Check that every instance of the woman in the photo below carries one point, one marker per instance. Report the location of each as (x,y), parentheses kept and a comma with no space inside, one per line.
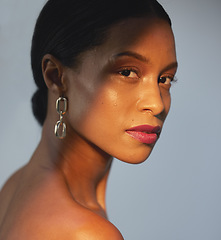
(108,66)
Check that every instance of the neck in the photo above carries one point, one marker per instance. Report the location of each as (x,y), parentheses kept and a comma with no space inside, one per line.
(84,167)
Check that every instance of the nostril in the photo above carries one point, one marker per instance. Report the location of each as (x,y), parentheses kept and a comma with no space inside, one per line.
(153,98)
(152,105)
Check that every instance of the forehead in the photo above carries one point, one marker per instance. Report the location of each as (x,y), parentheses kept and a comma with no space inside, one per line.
(139,34)
(151,38)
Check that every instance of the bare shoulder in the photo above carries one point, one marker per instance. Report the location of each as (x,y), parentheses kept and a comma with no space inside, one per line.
(66,219)
(48,212)
(42,208)
(97,229)
(7,192)
(70,223)
(10,184)
(78,223)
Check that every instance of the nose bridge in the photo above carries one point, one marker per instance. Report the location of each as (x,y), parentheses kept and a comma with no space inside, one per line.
(150,98)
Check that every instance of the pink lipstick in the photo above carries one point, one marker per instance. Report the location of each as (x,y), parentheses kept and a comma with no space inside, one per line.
(145,133)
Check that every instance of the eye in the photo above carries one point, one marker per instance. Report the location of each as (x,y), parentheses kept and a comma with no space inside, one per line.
(166,79)
(131,73)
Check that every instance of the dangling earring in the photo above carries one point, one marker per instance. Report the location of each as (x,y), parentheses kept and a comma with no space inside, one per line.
(60,126)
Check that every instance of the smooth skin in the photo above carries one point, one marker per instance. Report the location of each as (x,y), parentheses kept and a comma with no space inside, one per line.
(125,82)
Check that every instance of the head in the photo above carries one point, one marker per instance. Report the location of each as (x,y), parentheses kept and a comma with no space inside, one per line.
(67,28)
(85,41)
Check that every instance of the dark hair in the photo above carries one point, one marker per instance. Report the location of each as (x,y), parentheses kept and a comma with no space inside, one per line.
(66,28)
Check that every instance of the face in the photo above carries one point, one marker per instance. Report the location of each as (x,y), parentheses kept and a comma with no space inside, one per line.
(120,95)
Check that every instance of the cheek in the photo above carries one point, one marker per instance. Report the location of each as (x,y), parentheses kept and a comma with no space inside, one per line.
(166,97)
(105,116)
(103,111)
(89,112)
(79,102)
(83,96)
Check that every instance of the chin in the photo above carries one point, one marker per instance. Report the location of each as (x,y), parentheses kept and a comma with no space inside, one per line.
(136,157)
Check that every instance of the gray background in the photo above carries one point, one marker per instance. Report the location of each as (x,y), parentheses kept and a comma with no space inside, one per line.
(175,194)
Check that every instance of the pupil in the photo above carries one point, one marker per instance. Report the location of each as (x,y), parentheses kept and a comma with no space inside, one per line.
(163,79)
(126,73)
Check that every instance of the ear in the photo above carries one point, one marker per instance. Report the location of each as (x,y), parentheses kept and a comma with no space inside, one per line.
(52,70)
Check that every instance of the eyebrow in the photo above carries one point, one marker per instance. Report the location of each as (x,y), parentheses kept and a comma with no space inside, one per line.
(144,59)
(132,54)
(170,66)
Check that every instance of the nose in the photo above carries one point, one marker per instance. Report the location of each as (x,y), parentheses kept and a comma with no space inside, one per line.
(150,99)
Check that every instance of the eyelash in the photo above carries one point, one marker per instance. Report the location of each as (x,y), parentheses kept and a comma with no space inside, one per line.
(129,70)
(172,78)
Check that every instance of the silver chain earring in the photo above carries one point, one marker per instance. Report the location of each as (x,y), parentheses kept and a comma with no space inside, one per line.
(60,126)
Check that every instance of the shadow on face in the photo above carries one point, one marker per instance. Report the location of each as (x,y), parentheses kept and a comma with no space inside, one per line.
(123,83)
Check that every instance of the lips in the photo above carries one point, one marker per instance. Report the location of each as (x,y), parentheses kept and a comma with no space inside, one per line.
(145,133)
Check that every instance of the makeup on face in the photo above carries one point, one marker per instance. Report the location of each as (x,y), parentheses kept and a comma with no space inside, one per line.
(126,85)
(145,133)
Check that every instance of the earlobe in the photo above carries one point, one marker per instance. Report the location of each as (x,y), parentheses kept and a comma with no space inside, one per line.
(52,70)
